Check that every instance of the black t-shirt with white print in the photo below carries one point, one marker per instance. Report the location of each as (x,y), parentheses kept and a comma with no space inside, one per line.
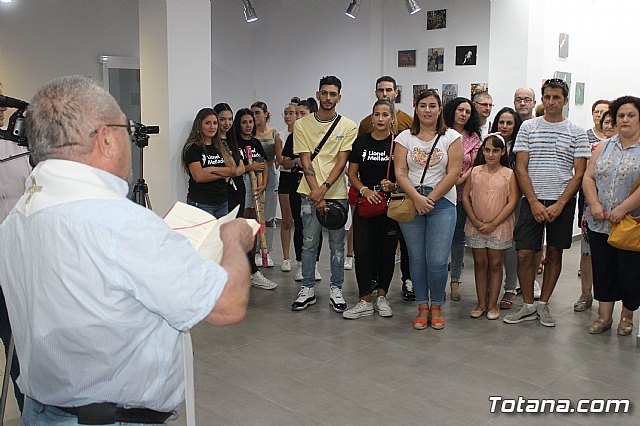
(372,157)
(214,192)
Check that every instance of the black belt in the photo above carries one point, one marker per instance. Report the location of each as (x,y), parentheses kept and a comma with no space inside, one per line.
(107,413)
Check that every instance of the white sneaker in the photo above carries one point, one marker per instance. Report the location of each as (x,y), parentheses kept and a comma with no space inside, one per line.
(286,265)
(336,301)
(306,296)
(317,275)
(362,309)
(382,306)
(258,260)
(348,263)
(536,289)
(298,276)
(260,281)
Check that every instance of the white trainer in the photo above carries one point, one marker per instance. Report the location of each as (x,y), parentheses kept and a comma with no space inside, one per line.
(382,306)
(336,301)
(362,309)
(306,296)
(298,276)
(260,281)
(286,265)
(258,260)
(348,263)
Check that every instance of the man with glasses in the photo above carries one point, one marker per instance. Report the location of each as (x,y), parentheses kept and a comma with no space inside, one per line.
(386,88)
(524,102)
(99,288)
(484,104)
(551,158)
(323,180)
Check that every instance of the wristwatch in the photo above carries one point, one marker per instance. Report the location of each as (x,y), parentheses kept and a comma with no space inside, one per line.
(327,185)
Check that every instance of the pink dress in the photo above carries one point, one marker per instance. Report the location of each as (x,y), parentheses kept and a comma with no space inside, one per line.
(489,196)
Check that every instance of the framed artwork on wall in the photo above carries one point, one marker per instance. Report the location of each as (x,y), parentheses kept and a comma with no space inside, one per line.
(398,98)
(579,93)
(435,59)
(449,93)
(563,45)
(406,58)
(466,55)
(478,88)
(436,19)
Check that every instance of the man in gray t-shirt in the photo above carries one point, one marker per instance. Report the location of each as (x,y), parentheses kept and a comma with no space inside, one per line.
(551,158)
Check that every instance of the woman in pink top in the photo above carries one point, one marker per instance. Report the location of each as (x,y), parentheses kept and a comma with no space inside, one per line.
(489,198)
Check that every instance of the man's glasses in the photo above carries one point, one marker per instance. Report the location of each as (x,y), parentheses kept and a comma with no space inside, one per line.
(484,104)
(525,100)
(130,126)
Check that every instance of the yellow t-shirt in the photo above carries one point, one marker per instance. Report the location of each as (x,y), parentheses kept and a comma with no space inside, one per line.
(307,134)
(403,122)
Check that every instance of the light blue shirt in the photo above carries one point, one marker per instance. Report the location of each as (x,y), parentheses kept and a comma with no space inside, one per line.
(98,292)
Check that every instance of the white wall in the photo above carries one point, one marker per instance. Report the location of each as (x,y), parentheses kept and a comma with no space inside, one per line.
(41,40)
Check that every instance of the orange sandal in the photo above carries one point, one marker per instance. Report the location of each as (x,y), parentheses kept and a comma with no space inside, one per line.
(421,323)
(437,323)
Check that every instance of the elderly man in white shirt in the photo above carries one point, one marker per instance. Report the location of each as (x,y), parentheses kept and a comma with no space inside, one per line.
(99,288)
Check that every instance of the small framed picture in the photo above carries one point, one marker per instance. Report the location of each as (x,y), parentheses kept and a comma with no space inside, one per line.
(449,93)
(406,58)
(466,55)
(563,45)
(436,19)
(417,88)
(477,88)
(579,93)
(435,59)
(398,98)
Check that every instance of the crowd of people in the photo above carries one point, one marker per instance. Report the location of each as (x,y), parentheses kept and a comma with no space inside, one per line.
(507,189)
(126,286)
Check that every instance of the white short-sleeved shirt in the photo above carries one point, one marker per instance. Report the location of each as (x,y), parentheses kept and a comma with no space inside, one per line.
(552,149)
(417,153)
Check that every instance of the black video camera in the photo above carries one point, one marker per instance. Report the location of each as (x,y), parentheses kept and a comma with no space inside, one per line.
(15,127)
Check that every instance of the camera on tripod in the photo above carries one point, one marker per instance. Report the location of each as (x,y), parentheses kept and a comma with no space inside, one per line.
(142,132)
(15,128)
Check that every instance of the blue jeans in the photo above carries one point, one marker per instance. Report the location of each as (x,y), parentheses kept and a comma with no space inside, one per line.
(457,245)
(428,239)
(217,210)
(311,231)
(37,414)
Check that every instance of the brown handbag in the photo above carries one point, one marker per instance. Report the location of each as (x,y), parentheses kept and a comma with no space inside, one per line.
(401,207)
(625,235)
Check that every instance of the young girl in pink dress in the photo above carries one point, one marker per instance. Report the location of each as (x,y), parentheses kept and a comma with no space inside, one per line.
(489,198)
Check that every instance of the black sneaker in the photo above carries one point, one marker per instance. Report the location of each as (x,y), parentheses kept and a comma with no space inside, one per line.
(336,300)
(306,297)
(407,291)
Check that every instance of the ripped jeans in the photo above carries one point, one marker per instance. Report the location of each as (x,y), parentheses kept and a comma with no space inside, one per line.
(311,232)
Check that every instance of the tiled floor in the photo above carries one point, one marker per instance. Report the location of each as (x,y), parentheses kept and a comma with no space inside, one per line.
(314,368)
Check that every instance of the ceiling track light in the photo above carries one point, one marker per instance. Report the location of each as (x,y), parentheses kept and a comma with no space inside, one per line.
(249,12)
(353,9)
(412,6)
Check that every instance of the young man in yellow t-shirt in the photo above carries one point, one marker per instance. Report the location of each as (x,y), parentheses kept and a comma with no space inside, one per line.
(323,180)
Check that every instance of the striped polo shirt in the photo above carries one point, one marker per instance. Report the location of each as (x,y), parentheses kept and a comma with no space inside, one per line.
(552,149)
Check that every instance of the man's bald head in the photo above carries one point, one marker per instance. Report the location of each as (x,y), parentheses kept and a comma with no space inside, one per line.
(524,101)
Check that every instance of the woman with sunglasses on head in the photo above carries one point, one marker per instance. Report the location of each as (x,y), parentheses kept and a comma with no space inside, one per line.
(286,184)
(507,122)
(235,186)
(208,164)
(461,116)
(428,160)
(269,138)
(292,161)
(374,238)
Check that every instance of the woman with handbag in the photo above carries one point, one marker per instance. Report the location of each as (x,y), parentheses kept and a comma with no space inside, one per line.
(427,161)
(375,236)
(613,202)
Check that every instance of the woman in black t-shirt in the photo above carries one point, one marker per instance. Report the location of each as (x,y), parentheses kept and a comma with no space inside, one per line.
(235,186)
(374,238)
(208,165)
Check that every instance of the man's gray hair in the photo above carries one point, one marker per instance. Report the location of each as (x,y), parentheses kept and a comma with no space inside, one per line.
(480,96)
(64,113)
